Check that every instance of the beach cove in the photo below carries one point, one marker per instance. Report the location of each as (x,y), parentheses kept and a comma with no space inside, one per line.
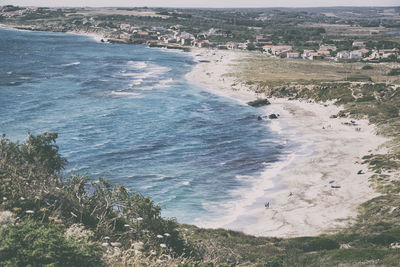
(317,189)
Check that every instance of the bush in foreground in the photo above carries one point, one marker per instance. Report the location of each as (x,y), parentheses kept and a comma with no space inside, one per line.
(36,244)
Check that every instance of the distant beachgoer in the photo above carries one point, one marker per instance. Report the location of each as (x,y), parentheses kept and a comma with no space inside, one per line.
(266,205)
(290,194)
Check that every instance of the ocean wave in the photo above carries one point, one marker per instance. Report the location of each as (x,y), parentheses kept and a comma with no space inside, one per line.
(164,83)
(253,193)
(137,64)
(185,183)
(72,64)
(130,94)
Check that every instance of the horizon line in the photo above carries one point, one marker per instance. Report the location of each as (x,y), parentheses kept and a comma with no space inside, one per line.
(187,7)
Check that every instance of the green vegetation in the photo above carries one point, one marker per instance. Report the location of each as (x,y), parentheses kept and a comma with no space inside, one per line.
(31,187)
(367,67)
(35,244)
(56,222)
(394,72)
(259,103)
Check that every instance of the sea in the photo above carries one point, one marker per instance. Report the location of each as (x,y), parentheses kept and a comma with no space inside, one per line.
(128,113)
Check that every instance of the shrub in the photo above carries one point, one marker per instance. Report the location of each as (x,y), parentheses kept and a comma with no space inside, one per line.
(366,98)
(36,244)
(394,72)
(367,67)
(387,237)
(308,244)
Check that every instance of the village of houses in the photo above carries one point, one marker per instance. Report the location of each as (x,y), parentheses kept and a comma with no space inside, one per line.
(182,38)
(176,37)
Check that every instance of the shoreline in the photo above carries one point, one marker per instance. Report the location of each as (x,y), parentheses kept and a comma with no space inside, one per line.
(302,200)
(299,188)
(96,37)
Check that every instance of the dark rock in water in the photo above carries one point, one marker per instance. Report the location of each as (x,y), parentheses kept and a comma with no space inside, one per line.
(259,103)
(259,118)
(102,40)
(272,116)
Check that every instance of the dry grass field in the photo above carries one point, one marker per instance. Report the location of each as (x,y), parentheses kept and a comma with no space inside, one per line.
(270,71)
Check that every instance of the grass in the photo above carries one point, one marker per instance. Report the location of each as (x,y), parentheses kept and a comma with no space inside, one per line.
(263,70)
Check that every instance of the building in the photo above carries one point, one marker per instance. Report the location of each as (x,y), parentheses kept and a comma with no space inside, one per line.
(306,53)
(326,47)
(204,44)
(315,56)
(185,38)
(222,47)
(293,54)
(125,27)
(343,55)
(324,53)
(267,48)
(158,29)
(356,54)
(277,50)
(232,45)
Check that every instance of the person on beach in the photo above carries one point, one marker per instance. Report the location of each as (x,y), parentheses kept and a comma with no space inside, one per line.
(266,205)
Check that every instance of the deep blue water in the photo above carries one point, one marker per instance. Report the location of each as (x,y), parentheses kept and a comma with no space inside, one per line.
(128,114)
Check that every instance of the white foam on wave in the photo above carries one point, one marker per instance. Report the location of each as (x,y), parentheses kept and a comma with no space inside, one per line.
(130,94)
(151,72)
(164,83)
(72,64)
(137,64)
(245,198)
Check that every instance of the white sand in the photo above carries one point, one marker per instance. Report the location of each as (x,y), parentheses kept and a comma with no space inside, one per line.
(302,202)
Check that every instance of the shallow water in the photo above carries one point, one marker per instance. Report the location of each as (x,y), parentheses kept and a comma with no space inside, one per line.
(128,114)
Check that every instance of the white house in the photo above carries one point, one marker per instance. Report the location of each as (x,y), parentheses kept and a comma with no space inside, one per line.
(343,55)
(356,54)
(293,54)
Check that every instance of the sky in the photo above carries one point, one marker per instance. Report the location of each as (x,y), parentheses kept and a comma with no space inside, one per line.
(202,3)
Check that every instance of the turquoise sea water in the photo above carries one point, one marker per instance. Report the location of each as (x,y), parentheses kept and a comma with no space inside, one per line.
(128,114)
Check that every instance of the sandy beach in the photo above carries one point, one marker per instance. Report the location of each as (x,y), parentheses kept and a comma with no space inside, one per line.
(314,190)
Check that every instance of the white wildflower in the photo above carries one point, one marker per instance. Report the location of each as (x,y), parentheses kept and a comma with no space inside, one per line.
(159,236)
(30,212)
(163,245)
(167,235)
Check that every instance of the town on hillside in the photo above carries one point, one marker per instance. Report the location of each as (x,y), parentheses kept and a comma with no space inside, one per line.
(370,35)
